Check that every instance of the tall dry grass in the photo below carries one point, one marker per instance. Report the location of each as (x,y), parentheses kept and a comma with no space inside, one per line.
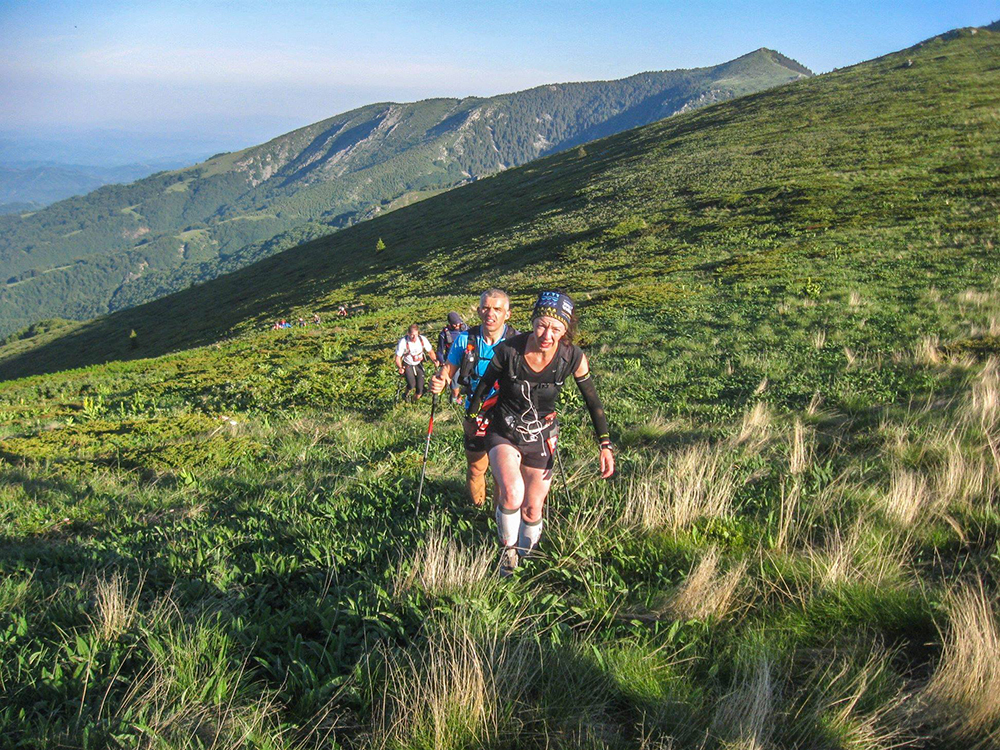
(194,693)
(975,297)
(909,498)
(860,555)
(755,428)
(800,450)
(815,403)
(457,691)
(850,356)
(442,566)
(928,351)
(960,481)
(965,477)
(982,409)
(962,698)
(583,533)
(708,591)
(698,482)
(959,443)
(744,719)
(854,698)
(790,520)
(116,605)
(171,724)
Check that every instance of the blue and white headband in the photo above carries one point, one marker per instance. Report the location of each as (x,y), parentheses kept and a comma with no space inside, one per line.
(554,305)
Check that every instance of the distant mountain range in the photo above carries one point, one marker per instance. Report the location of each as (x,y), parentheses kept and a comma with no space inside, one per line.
(123,245)
(33,185)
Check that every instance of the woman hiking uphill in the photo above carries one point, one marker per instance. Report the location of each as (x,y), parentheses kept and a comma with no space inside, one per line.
(530,370)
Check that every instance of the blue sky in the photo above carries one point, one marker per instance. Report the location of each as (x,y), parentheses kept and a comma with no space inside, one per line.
(243,71)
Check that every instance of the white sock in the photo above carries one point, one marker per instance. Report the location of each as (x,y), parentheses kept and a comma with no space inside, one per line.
(508,523)
(528,537)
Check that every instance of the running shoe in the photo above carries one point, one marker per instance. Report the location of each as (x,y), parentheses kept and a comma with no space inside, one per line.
(508,561)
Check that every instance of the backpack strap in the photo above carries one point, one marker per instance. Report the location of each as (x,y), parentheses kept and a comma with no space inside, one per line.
(564,368)
(470,359)
(469,368)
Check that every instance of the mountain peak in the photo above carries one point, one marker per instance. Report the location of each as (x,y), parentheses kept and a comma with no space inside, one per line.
(784,61)
(764,59)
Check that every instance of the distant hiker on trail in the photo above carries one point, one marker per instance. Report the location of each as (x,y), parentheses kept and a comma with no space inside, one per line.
(469,356)
(316,320)
(445,341)
(302,322)
(409,360)
(529,370)
(342,311)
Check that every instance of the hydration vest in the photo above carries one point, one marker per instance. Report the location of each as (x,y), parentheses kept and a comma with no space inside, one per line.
(531,425)
(564,368)
(469,368)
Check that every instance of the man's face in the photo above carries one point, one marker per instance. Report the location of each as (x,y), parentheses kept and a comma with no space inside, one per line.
(493,313)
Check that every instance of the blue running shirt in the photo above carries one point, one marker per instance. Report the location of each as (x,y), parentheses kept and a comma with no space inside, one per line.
(457,352)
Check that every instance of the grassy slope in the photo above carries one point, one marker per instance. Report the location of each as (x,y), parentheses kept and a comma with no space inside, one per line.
(791,302)
(128,244)
(803,177)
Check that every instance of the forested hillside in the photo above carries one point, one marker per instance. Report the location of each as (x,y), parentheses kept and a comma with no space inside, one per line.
(791,304)
(126,244)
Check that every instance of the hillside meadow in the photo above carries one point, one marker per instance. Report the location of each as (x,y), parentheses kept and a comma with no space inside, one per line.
(123,245)
(792,305)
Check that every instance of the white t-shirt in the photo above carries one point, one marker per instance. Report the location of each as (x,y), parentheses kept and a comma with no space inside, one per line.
(412,352)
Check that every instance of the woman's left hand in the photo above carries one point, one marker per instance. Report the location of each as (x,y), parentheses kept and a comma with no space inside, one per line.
(607,463)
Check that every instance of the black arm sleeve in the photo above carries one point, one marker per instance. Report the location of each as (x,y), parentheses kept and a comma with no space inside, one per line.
(595,407)
(485,383)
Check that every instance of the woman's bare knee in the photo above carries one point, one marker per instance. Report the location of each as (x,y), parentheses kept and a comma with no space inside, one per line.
(536,489)
(506,466)
(531,513)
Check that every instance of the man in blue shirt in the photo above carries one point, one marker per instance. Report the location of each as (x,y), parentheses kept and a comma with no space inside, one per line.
(469,356)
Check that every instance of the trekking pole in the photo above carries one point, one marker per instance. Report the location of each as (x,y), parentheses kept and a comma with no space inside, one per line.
(562,473)
(427,447)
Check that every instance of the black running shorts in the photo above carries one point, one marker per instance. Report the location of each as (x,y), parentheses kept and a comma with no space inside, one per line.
(535,455)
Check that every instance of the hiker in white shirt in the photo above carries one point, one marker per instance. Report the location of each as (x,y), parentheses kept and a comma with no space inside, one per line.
(410,353)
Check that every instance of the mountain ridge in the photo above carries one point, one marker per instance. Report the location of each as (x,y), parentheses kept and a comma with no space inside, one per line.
(123,245)
(572,209)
